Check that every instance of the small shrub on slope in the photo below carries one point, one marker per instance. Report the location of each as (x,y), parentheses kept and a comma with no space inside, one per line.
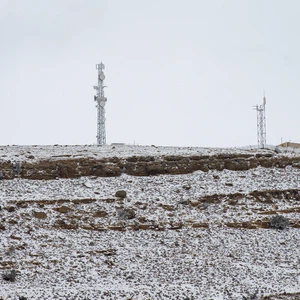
(279,222)
(10,275)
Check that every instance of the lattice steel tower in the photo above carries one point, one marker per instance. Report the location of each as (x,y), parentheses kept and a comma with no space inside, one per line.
(261,124)
(101,101)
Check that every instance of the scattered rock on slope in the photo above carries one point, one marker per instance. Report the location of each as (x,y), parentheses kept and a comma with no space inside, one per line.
(40,215)
(126,213)
(10,208)
(87,184)
(100,214)
(64,209)
(121,194)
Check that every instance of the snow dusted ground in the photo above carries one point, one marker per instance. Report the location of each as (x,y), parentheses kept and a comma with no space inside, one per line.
(23,153)
(107,256)
(161,198)
(168,187)
(204,264)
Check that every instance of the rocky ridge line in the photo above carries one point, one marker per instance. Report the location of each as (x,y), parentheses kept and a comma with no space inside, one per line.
(141,165)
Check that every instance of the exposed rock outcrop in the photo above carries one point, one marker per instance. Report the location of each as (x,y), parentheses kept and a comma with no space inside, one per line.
(143,166)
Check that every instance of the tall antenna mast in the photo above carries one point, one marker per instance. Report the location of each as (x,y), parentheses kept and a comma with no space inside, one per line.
(261,124)
(100,104)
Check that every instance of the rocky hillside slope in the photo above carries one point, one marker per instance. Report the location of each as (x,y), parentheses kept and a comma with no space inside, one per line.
(149,223)
(25,164)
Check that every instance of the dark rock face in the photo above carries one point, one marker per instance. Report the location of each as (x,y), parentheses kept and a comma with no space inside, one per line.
(10,208)
(40,215)
(285,296)
(64,209)
(142,166)
(121,194)
(100,214)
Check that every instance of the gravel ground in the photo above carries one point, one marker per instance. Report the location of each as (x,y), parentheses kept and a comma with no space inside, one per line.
(205,264)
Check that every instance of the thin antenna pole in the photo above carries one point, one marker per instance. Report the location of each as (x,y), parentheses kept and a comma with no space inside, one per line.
(100,104)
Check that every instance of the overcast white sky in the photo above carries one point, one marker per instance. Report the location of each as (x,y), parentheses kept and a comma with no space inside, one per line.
(181,73)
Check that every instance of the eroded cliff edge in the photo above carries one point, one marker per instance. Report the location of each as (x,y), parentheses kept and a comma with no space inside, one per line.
(141,165)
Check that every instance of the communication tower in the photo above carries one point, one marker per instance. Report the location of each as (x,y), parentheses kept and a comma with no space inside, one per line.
(100,104)
(261,124)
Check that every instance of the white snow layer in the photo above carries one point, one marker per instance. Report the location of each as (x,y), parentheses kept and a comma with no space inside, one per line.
(188,263)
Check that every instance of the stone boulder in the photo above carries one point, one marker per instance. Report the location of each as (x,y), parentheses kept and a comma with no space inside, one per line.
(40,215)
(100,214)
(121,194)
(126,213)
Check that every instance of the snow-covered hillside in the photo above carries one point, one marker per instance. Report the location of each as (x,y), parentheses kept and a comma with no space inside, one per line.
(203,235)
(37,152)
